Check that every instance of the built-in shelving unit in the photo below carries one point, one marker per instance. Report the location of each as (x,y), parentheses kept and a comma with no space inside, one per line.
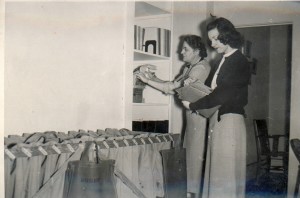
(153,21)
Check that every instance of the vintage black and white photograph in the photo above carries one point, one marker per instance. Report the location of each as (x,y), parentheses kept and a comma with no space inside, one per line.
(150,99)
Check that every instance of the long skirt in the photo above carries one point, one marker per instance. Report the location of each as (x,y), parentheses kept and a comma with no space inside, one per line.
(225,169)
(194,142)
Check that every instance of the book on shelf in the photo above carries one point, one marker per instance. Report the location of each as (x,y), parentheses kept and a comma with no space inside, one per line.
(139,33)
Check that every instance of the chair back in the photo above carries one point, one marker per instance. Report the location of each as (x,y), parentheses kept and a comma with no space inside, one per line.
(261,136)
(295,144)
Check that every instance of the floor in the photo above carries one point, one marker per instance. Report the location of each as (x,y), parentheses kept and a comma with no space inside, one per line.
(273,185)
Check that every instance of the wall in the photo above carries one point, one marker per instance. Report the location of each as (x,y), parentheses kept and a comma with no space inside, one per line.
(272,13)
(2,9)
(186,19)
(64,66)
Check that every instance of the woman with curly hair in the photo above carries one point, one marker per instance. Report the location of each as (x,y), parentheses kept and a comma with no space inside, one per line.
(225,170)
(196,70)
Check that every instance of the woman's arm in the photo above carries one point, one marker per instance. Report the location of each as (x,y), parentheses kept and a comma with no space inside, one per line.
(234,77)
(165,86)
(218,96)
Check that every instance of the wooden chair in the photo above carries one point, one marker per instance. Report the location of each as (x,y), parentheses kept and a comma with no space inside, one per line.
(295,144)
(265,153)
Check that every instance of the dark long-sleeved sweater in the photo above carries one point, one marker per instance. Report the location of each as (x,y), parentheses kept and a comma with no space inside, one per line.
(232,87)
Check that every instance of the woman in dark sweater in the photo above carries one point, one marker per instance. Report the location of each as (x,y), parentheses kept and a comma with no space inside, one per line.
(225,171)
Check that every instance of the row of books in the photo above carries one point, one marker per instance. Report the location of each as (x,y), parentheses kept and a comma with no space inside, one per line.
(152,40)
(139,34)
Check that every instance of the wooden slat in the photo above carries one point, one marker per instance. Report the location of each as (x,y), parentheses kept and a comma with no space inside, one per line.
(45,149)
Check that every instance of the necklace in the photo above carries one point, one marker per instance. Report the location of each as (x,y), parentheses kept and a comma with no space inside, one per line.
(192,65)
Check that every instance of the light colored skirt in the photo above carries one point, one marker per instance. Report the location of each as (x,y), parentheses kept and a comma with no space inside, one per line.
(225,169)
(194,142)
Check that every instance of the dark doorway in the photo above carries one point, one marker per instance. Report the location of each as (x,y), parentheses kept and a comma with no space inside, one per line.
(269,50)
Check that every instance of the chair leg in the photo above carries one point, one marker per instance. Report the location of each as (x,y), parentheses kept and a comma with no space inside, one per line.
(257,170)
(285,165)
(297,183)
(268,165)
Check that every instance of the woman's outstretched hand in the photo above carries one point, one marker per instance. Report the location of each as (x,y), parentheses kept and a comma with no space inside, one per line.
(186,104)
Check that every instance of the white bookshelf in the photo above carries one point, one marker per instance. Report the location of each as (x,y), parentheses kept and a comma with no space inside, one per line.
(156,106)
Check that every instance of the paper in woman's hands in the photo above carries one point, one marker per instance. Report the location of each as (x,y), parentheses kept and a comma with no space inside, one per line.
(146,72)
(146,69)
(194,92)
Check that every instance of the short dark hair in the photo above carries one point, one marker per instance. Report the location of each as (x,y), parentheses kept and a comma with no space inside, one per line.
(227,32)
(195,42)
